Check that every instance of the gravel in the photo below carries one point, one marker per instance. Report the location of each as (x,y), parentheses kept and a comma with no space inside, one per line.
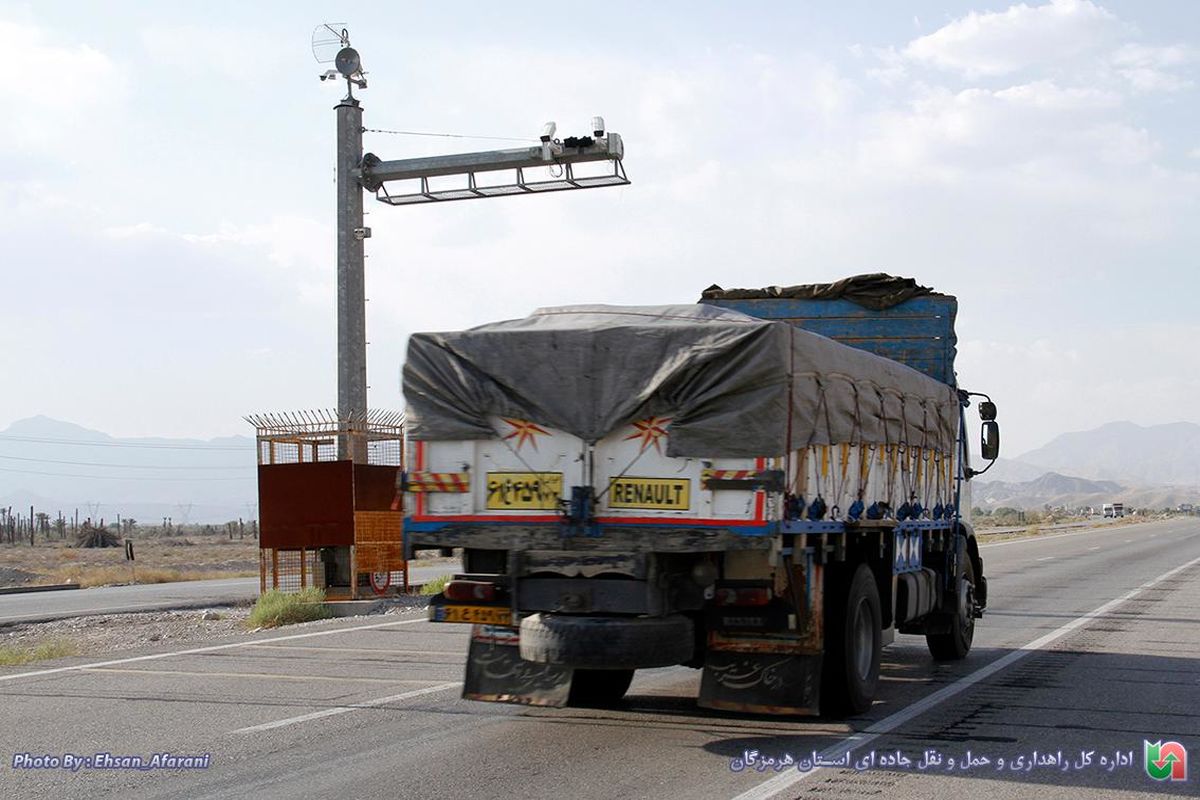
(115,633)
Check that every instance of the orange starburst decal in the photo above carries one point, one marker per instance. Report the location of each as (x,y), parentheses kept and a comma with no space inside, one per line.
(524,431)
(651,431)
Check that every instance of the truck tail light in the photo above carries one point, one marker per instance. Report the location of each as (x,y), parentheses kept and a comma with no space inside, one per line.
(467,591)
(758,596)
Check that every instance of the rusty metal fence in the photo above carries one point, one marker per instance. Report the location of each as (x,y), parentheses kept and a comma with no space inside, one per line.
(330,519)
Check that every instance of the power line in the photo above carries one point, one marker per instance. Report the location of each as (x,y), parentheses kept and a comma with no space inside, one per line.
(144,445)
(125,466)
(452,135)
(116,477)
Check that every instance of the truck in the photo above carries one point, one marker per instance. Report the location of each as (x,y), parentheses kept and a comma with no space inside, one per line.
(1113,510)
(767,486)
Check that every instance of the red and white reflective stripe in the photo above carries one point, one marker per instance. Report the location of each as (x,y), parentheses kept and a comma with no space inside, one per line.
(729,474)
(454,482)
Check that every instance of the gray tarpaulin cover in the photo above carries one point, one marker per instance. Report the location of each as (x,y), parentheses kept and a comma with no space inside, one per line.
(733,385)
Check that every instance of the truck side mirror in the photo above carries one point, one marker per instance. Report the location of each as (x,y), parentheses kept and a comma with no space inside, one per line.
(989,444)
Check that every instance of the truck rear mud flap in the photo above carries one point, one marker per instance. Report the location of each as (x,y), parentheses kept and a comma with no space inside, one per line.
(496,672)
(752,680)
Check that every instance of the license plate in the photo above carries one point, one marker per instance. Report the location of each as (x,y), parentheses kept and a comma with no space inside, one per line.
(657,494)
(524,490)
(484,615)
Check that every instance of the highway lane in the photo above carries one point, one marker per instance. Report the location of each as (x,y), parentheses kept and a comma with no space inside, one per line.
(41,606)
(364,706)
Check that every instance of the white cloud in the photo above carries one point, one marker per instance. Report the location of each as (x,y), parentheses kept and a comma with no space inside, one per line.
(53,92)
(1046,94)
(1141,55)
(133,231)
(1004,42)
(199,50)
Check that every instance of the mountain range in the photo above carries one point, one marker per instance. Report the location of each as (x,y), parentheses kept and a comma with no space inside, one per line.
(1156,466)
(58,466)
(1139,455)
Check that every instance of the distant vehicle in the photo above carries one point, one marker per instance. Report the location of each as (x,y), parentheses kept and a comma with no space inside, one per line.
(721,485)
(1113,510)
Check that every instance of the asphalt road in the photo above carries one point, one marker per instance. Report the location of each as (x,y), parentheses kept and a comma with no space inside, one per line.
(1091,646)
(40,606)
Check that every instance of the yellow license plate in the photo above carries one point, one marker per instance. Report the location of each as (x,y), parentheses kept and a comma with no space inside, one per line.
(507,491)
(657,494)
(483,615)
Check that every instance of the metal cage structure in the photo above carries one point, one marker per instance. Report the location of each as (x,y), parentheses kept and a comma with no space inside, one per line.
(325,522)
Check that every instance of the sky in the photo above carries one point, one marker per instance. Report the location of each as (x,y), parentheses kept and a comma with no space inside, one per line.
(167,196)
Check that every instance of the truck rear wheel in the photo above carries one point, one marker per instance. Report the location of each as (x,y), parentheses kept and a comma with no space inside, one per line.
(853,643)
(599,688)
(954,643)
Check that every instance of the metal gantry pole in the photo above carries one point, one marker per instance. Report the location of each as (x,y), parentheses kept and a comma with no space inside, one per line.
(351,282)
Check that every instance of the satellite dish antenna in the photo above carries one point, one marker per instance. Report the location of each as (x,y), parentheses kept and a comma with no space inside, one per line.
(328,39)
(331,45)
(348,62)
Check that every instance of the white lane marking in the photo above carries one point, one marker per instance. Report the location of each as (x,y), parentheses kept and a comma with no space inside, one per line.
(338,650)
(329,712)
(210,649)
(1127,541)
(888,724)
(1045,558)
(1097,547)
(272,676)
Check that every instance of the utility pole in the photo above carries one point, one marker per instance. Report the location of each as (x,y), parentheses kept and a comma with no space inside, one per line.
(351,279)
(357,172)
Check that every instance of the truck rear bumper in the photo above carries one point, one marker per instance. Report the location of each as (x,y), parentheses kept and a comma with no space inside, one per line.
(627,538)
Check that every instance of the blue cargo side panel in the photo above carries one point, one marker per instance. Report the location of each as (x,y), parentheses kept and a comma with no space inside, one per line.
(918,332)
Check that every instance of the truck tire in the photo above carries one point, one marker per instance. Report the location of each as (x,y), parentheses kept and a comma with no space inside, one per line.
(606,643)
(955,643)
(599,688)
(853,644)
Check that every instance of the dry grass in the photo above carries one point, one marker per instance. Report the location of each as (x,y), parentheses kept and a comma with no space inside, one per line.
(436,585)
(159,559)
(14,654)
(276,608)
(107,576)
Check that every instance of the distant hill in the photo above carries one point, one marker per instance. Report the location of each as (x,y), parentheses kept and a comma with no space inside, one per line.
(1010,470)
(1070,492)
(1136,455)
(59,466)
(1049,488)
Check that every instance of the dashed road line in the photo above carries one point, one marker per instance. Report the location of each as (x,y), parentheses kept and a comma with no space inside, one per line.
(330,712)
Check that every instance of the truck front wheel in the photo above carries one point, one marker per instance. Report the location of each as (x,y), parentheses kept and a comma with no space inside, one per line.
(954,643)
(853,642)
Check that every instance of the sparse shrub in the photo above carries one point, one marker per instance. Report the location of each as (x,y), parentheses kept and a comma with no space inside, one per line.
(436,585)
(275,608)
(14,654)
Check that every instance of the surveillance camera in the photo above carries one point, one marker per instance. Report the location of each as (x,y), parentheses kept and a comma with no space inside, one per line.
(329,75)
(597,126)
(548,131)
